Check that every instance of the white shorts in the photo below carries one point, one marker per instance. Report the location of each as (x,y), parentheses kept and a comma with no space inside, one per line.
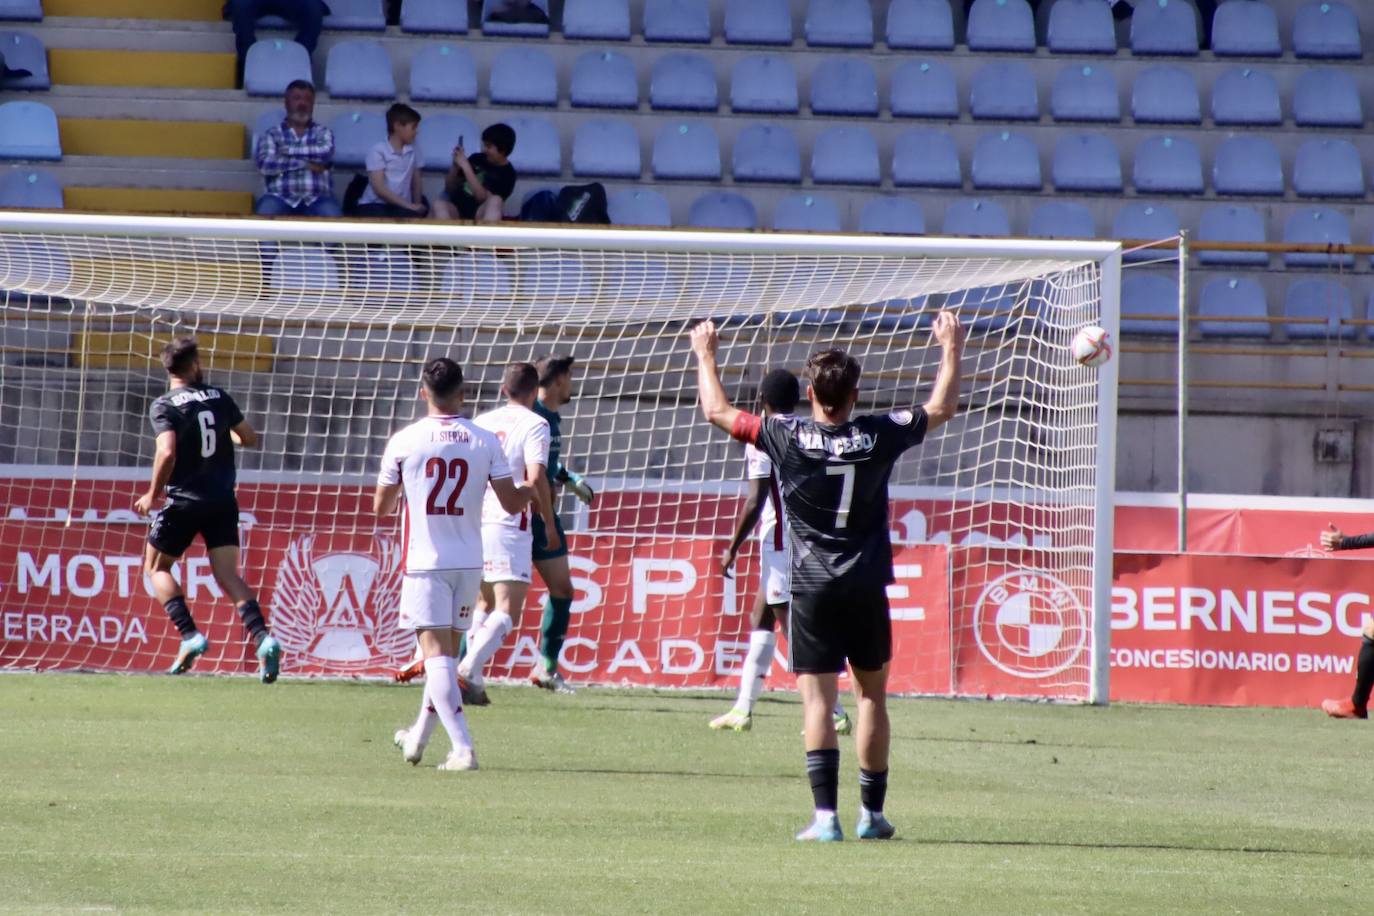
(775,576)
(439,599)
(506,554)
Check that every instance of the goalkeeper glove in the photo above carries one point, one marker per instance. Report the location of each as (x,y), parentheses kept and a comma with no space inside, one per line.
(580,488)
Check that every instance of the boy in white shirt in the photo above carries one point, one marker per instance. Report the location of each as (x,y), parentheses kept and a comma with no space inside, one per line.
(393,170)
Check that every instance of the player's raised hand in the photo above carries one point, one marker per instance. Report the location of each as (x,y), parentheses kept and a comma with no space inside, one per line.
(144,504)
(704,339)
(948,330)
(579,487)
(1332,537)
(727,561)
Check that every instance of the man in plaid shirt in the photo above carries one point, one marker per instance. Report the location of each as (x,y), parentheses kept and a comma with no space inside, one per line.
(295,158)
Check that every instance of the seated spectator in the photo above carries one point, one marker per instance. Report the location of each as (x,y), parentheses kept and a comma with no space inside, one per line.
(12,73)
(295,158)
(478,186)
(306,15)
(393,170)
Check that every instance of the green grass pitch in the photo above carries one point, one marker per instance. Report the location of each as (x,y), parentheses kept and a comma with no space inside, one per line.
(155,794)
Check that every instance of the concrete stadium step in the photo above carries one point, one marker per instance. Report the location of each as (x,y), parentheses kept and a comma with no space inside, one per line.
(204,10)
(153,200)
(155,139)
(152,69)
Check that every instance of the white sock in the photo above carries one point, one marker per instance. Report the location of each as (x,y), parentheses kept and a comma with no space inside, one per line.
(482,645)
(427,719)
(479,617)
(441,673)
(756,663)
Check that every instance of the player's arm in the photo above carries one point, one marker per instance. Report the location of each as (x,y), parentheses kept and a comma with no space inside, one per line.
(164,460)
(513,498)
(543,501)
(944,397)
(748,517)
(386,498)
(244,434)
(1333,539)
(715,406)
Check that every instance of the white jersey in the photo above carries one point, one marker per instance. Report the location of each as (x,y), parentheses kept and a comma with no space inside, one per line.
(524,438)
(444,464)
(771,520)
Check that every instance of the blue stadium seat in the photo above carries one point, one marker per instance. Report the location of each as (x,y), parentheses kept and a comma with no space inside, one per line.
(892,216)
(1326,97)
(21,10)
(924,89)
(1328,167)
(523,76)
(379,269)
(1247,165)
(1231,223)
(1166,95)
(357,132)
(1059,219)
(1316,226)
(443,73)
(1004,91)
(22,51)
(28,130)
(1081,27)
(926,158)
(1086,162)
(543,279)
(537,151)
(722,210)
(845,155)
(766,152)
(303,267)
(476,277)
(677,20)
(685,82)
(356,15)
(1326,300)
(844,86)
(517,29)
(1246,96)
(434,16)
(359,69)
(1245,30)
(1145,223)
(758,22)
(806,213)
(272,63)
(30,189)
(1326,30)
(839,24)
(604,79)
(1164,27)
(639,208)
(1082,92)
(920,25)
(1233,298)
(1001,25)
(597,20)
(687,150)
(972,216)
(1004,160)
(269,119)
(603,148)
(1148,294)
(764,83)
(1168,165)
(440,133)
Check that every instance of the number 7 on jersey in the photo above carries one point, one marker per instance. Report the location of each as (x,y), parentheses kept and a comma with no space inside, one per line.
(845,471)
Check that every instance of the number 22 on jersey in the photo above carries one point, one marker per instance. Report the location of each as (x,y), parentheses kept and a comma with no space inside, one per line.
(441,472)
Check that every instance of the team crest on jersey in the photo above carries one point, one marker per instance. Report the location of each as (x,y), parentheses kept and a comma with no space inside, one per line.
(901,417)
(340,609)
(1030,624)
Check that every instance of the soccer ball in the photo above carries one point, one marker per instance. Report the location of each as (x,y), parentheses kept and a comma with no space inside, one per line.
(1092,346)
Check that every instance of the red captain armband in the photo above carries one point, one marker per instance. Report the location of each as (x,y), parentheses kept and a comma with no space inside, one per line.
(747,427)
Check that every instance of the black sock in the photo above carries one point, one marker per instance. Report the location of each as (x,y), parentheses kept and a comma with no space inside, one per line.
(252,620)
(872,789)
(181,615)
(823,768)
(1364,673)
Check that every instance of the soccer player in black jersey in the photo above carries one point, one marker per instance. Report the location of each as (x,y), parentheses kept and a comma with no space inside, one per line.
(197,426)
(833,469)
(1357,707)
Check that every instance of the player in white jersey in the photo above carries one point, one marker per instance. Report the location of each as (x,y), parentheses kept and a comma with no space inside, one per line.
(441,465)
(763,506)
(507,541)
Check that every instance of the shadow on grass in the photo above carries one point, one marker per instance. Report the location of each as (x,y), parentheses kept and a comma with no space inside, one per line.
(790,776)
(1146,847)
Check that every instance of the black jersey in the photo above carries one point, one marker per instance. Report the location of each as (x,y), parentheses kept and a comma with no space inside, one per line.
(201,416)
(834,485)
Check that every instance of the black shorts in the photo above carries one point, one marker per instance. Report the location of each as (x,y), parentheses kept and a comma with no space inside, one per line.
(843,622)
(541,539)
(176,525)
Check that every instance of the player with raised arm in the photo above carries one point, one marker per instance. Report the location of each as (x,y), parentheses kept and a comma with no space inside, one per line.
(441,465)
(834,470)
(197,426)
(1357,707)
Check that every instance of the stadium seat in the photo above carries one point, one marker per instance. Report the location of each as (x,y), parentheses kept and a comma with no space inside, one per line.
(1326,97)
(1246,96)
(924,89)
(764,83)
(1004,91)
(270,119)
(604,79)
(1316,226)
(766,152)
(440,133)
(1001,25)
(523,76)
(1166,94)
(806,213)
(687,150)
(28,130)
(23,51)
(356,15)
(476,277)
(677,20)
(1164,27)
(845,155)
(844,86)
(758,22)
(272,63)
(355,133)
(1245,30)
(537,150)
(1004,160)
(443,73)
(1328,167)
(722,210)
(1168,165)
(379,270)
(21,10)
(1081,27)
(926,158)
(1145,223)
(684,82)
(976,217)
(1247,165)
(1059,219)
(1326,30)
(604,148)
(434,16)
(1082,92)
(1233,298)
(1325,300)
(1087,162)
(920,25)
(303,267)
(1148,294)
(559,277)
(892,216)
(516,29)
(597,20)
(30,189)
(639,208)
(359,69)
(839,24)
(1230,223)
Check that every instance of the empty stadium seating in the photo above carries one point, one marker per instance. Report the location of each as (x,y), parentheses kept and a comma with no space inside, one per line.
(924,89)
(23,51)
(1057,219)
(604,79)
(523,76)
(359,70)
(806,213)
(764,83)
(685,82)
(434,16)
(1083,92)
(758,22)
(1001,25)
(1225,304)
(597,20)
(28,130)
(1086,162)
(1316,226)
(845,155)
(30,189)
(605,148)
(722,210)
(443,73)
(272,63)
(892,216)
(926,158)
(920,25)
(1245,30)
(1164,27)
(764,152)
(1081,27)
(639,207)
